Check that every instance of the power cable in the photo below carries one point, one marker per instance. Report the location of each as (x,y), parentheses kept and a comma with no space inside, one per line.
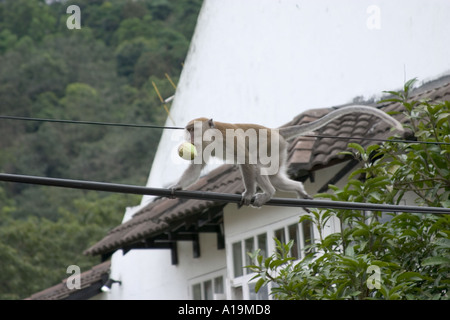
(213,196)
(90,122)
(375,139)
(181,128)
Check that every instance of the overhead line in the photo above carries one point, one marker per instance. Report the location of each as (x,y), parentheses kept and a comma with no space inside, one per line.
(213,196)
(131,125)
(116,124)
(375,139)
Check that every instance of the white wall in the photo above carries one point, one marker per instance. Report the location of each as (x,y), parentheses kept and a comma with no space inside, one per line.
(149,274)
(248,219)
(265,61)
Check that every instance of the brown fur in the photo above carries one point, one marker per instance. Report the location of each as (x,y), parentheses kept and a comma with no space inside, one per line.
(252,172)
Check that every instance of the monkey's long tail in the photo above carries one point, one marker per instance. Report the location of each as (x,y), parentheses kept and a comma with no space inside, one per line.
(299,130)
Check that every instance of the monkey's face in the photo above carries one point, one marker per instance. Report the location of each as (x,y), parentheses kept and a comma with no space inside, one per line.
(195,129)
(189,134)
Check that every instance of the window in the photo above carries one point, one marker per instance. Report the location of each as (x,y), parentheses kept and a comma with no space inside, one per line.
(242,287)
(250,245)
(209,289)
(293,235)
(286,234)
(302,235)
(218,285)
(279,234)
(262,244)
(237,259)
(262,294)
(249,248)
(197,291)
(308,233)
(237,293)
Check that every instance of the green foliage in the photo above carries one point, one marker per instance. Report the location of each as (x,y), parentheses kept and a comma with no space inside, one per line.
(27,18)
(102,72)
(375,255)
(35,252)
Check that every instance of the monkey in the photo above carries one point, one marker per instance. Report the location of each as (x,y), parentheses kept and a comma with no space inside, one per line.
(234,143)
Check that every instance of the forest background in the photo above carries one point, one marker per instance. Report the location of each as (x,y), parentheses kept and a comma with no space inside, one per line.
(101,72)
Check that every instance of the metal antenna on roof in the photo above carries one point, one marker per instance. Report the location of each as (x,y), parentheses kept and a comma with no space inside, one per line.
(164,101)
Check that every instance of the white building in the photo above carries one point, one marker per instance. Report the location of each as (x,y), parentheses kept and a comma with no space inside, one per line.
(203,244)
(267,61)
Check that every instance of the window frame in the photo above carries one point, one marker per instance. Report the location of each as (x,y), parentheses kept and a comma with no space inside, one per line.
(242,283)
(203,279)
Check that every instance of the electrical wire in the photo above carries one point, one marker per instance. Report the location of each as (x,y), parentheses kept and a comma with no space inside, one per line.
(90,122)
(181,128)
(375,139)
(214,196)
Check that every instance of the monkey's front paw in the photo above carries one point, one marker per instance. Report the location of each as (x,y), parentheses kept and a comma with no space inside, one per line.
(176,187)
(307,196)
(260,200)
(246,198)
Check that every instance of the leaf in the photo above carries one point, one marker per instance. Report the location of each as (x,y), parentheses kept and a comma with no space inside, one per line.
(260,258)
(378,181)
(267,262)
(346,153)
(391,99)
(409,84)
(259,284)
(357,147)
(409,232)
(350,251)
(360,232)
(443,243)
(433,261)
(357,172)
(275,263)
(305,217)
(411,276)
(372,148)
(394,93)
(375,195)
(349,261)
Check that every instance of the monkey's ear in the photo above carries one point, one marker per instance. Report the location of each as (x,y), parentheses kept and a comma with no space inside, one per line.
(211,123)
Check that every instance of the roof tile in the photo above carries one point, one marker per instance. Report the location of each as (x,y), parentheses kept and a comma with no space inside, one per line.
(304,153)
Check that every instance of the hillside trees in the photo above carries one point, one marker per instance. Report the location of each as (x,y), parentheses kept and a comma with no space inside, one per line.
(102,72)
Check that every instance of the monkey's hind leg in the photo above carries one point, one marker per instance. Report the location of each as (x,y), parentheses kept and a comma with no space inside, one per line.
(248,177)
(267,188)
(281,182)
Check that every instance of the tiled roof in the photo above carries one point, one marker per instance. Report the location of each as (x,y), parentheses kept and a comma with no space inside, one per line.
(308,153)
(91,282)
(305,154)
(156,217)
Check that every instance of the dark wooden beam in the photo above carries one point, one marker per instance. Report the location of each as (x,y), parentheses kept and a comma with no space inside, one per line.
(338,176)
(196,246)
(220,237)
(174,253)
(210,221)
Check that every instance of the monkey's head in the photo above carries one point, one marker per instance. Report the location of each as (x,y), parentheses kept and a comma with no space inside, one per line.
(197,127)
